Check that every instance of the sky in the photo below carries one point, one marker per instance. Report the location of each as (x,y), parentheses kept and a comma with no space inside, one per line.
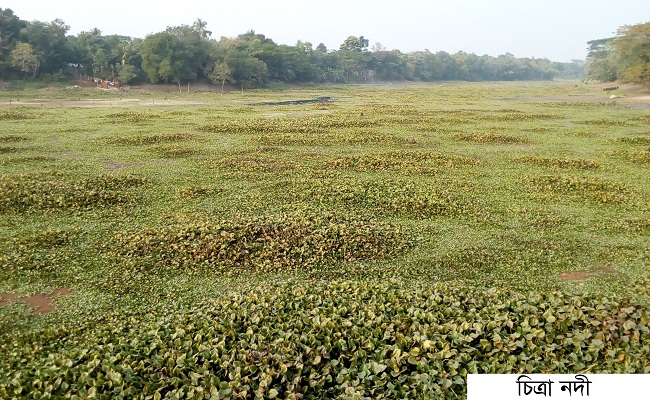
(553,29)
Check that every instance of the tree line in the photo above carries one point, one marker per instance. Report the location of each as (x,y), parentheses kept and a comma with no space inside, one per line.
(187,53)
(624,57)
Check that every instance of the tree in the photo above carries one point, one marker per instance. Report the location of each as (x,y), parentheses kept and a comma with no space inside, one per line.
(100,64)
(126,73)
(353,56)
(132,55)
(246,70)
(356,44)
(603,69)
(25,59)
(378,48)
(220,74)
(599,48)
(426,66)
(10,26)
(390,65)
(192,50)
(277,59)
(602,60)
(235,62)
(82,50)
(462,70)
(632,48)
(571,70)
(101,56)
(302,59)
(253,72)
(448,67)
(168,58)
(50,43)
(199,26)
(158,59)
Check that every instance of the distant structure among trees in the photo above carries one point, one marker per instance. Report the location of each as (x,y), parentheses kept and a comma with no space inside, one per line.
(187,53)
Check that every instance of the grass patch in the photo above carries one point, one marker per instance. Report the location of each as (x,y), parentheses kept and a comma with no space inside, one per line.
(139,140)
(638,156)
(48,238)
(286,124)
(515,115)
(38,253)
(264,244)
(562,163)
(605,191)
(10,149)
(388,197)
(490,138)
(410,162)
(637,140)
(638,224)
(19,113)
(252,164)
(194,192)
(326,138)
(540,218)
(175,151)
(12,139)
(132,117)
(20,193)
(27,160)
(606,122)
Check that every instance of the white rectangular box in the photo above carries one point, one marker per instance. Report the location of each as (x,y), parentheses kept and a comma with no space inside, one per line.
(558,386)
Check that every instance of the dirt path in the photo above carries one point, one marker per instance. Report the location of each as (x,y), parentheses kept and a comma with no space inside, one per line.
(93,103)
(40,303)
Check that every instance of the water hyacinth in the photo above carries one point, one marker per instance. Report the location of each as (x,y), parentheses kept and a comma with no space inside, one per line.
(284,242)
(213,248)
(50,191)
(343,339)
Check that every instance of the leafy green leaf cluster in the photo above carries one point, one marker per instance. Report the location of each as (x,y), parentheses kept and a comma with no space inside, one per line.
(308,124)
(135,140)
(27,192)
(491,138)
(18,113)
(131,117)
(563,163)
(343,339)
(391,196)
(601,190)
(407,162)
(303,242)
(12,139)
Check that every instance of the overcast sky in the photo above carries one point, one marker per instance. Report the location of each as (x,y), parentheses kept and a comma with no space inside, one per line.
(554,29)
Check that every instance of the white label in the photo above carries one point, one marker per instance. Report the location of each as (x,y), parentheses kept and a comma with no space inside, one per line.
(558,386)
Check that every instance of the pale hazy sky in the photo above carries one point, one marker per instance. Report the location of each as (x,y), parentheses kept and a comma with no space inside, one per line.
(554,29)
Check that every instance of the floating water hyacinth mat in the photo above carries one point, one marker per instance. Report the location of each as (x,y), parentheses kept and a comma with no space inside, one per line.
(306,340)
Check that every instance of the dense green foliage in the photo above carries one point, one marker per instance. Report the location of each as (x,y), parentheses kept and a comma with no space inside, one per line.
(27,192)
(380,245)
(267,244)
(38,50)
(625,56)
(302,340)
